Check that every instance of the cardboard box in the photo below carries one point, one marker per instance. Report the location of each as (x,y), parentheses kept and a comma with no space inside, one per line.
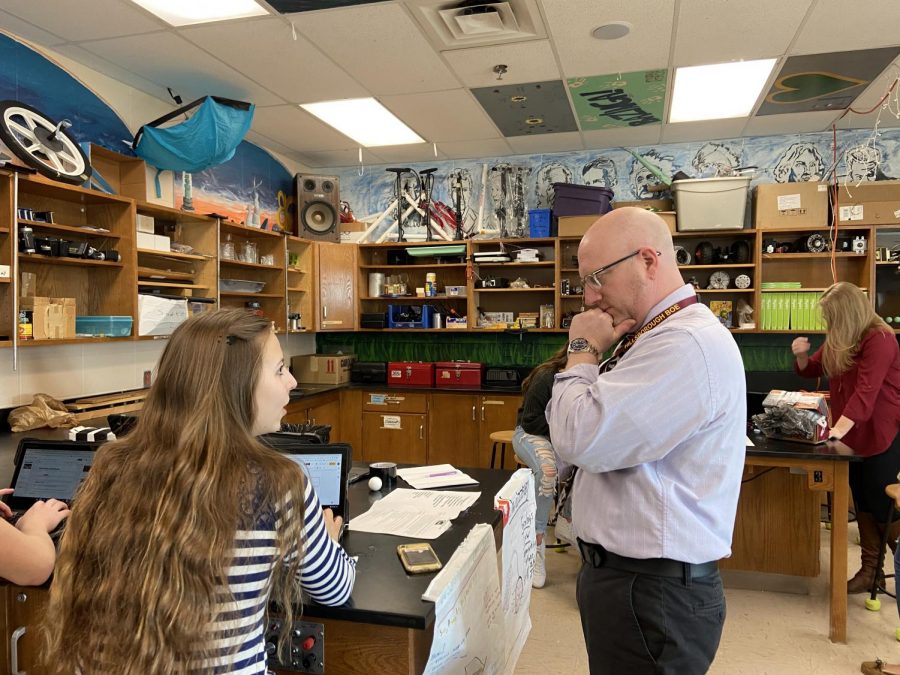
(788,206)
(51,318)
(876,203)
(574,226)
(651,204)
(322,368)
(145,223)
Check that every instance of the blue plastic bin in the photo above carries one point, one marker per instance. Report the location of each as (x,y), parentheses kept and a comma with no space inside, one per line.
(539,223)
(103,326)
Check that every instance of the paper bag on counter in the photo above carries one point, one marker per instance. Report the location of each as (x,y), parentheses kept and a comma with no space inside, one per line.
(43,411)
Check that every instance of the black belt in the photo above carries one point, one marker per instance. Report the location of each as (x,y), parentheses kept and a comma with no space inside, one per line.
(597,556)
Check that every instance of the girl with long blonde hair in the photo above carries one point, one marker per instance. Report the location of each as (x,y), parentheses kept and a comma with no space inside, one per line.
(186,527)
(861,358)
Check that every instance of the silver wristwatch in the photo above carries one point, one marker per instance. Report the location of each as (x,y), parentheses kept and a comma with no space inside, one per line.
(581,345)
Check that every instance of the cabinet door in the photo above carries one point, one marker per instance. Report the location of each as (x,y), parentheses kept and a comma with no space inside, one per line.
(394,438)
(496,413)
(26,607)
(327,412)
(337,287)
(453,430)
(296,412)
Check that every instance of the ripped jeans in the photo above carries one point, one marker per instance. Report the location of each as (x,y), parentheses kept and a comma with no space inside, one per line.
(537,453)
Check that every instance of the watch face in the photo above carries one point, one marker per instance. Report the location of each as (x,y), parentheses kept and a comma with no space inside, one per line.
(580,345)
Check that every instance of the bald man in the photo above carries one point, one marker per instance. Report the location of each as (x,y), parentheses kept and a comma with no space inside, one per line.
(658,435)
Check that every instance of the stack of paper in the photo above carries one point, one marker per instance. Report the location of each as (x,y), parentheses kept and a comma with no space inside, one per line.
(435,476)
(418,514)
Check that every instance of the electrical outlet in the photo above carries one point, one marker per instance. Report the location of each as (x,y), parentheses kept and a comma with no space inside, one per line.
(147,377)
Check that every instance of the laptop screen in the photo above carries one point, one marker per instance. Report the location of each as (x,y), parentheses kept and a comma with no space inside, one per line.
(50,473)
(325,471)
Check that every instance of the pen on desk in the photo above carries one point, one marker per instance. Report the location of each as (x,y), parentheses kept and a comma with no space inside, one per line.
(443,473)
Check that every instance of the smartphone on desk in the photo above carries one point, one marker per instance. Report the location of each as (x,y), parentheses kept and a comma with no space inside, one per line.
(418,558)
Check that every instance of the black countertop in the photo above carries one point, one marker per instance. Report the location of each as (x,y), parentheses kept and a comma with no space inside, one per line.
(774,447)
(303,390)
(384,593)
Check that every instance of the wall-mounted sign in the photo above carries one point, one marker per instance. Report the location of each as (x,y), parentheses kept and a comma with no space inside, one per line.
(619,100)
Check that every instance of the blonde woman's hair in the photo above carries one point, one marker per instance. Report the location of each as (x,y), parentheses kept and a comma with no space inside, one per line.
(849,316)
(145,556)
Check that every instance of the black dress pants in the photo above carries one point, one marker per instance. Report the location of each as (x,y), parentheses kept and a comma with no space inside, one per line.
(641,624)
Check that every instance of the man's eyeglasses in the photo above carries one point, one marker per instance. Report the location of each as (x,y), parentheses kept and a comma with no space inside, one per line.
(593,279)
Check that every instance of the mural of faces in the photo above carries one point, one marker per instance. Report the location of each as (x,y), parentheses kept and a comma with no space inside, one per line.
(861,163)
(642,178)
(550,173)
(600,172)
(800,163)
(715,159)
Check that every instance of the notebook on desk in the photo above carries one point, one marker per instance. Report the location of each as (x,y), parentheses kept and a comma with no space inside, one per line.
(48,470)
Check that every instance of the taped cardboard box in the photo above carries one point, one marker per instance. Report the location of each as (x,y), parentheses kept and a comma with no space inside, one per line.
(574,226)
(51,318)
(788,206)
(322,368)
(874,203)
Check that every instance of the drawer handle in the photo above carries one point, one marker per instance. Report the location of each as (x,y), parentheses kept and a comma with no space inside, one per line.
(14,650)
(473,413)
(421,432)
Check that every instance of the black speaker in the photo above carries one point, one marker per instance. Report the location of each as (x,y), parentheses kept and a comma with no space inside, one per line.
(318,207)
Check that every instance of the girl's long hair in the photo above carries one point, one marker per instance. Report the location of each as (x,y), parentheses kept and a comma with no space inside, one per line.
(848,316)
(145,556)
(555,363)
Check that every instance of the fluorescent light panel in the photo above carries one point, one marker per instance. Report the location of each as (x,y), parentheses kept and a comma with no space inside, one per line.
(188,12)
(718,91)
(364,120)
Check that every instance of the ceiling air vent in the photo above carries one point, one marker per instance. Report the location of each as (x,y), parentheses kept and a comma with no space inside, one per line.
(494,19)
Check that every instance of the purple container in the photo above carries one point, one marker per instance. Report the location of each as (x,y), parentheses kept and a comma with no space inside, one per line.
(581,200)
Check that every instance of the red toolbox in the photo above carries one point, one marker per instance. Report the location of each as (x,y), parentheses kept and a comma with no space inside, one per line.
(410,374)
(452,374)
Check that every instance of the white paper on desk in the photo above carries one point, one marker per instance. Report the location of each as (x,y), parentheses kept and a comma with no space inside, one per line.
(418,514)
(437,475)
(516,501)
(469,622)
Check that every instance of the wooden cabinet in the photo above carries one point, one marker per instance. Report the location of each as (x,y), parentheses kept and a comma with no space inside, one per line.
(321,409)
(300,291)
(394,427)
(240,274)
(496,412)
(23,608)
(453,430)
(337,287)
(8,322)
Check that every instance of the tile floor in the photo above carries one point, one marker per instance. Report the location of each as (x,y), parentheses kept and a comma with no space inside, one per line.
(765,633)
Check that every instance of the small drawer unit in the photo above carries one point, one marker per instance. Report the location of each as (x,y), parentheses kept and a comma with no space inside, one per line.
(458,374)
(410,374)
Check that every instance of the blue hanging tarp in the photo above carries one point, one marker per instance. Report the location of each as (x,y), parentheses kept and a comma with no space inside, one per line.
(209,137)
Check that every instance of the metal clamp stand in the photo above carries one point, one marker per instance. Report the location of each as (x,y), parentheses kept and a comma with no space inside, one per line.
(427,178)
(457,201)
(399,193)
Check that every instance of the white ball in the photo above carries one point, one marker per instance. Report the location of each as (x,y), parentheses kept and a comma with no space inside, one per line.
(374,483)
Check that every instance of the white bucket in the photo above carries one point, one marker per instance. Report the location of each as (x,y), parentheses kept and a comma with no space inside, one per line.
(710,203)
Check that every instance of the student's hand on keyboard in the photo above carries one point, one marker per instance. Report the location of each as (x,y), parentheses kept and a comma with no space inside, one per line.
(44,516)
(5,511)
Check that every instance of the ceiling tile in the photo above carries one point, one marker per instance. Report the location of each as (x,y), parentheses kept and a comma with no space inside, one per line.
(381,44)
(532,61)
(563,142)
(705,130)
(647,47)
(18,28)
(871,98)
(624,136)
(717,31)
(528,109)
(172,61)
(442,115)
(835,26)
(91,20)
(296,128)
(300,73)
(491,147)
(795,123)
(417,152)
(335,158)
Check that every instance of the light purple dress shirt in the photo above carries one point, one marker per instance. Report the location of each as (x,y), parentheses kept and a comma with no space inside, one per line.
(659,440)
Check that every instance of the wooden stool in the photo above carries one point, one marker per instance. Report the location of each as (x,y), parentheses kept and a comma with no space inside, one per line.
(500,438)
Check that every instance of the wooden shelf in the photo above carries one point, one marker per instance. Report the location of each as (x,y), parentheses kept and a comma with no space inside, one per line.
(35,184)
(549,289)
(169,213)
(296,270)
(415,298)
(170,284)
(716,267)
(73,229)
(151,273)
(4,230)
(77,262)
(579,296)
(240,263)
(713,233)
(265,296)
(888,263)
(725,290)
(5,280)
(245,231)
(568,269)
(175,255)
(297,290)
(811,256)
(514,264)
(412,267)
(798,290)
(71,341)
(5,343)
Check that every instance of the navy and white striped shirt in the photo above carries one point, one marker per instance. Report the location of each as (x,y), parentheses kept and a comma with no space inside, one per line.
(326,574)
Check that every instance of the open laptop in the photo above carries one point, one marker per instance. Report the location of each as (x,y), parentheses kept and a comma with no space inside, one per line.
(327,466)
(48,470)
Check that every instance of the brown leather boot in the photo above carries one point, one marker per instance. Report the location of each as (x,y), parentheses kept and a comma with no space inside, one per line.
(869,544)
(878,667)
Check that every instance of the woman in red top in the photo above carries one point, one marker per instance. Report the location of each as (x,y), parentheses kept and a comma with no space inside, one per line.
(861,358)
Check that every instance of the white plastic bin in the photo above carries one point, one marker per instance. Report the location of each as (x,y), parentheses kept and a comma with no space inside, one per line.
(711,203)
